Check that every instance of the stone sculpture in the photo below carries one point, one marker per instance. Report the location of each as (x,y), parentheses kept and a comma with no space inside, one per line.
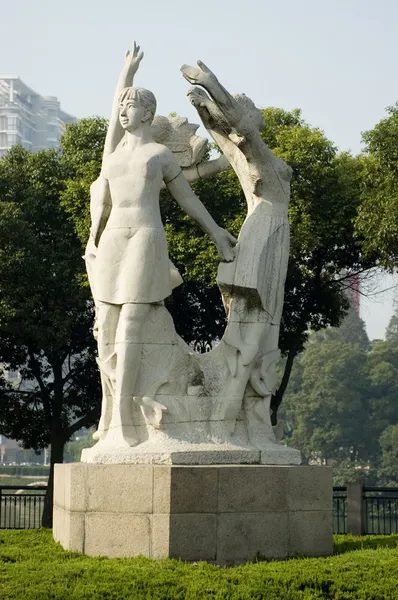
(162,403)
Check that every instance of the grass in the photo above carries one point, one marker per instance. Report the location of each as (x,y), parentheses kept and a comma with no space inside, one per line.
(6,480)
(34,567)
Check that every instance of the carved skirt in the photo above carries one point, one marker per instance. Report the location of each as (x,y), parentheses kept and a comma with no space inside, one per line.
(259,270)
(132,266)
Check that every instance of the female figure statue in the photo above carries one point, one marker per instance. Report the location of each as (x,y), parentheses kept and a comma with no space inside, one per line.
(253,285)
(131,271)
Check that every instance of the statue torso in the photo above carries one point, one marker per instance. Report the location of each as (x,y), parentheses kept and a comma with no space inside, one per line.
(135,178)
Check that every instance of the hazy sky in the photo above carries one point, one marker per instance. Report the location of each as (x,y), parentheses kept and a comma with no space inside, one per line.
(335,60)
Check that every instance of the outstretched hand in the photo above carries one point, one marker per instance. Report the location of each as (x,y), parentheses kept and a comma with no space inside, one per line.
(225,244)
(197,76)
(133,58)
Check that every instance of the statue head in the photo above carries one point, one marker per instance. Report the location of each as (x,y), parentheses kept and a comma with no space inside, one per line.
(136,106)
(251,110)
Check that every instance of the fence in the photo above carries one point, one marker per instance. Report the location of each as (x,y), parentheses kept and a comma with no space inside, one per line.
(365,510)
(21,506)
(380,510)
(339,510)
(356,509)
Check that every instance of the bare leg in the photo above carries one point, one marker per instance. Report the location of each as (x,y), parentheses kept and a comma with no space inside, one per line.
(107,318)
(128,347)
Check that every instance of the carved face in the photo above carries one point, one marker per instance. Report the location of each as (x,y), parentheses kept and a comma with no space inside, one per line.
(132,114)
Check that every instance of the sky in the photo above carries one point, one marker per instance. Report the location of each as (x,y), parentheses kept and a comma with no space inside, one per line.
(335,60)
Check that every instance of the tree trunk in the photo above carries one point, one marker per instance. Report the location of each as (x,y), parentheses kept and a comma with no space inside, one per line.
(276,399)
(57,456)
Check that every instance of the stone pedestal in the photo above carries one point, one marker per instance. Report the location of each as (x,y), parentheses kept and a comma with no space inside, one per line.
(226,514)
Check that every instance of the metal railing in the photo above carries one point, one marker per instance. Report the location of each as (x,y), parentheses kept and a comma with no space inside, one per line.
(340,509)
(365,510)
(380,505)
(21,506)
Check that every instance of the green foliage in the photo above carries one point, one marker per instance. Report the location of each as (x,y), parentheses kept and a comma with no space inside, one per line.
(45,314)
(389,455)
(82,146)
(196,306)
(348,543)
(382,371)
(340,406)
(377,221)
(353,331)
(329,409)
(324,202)
(33,567)
(392,329)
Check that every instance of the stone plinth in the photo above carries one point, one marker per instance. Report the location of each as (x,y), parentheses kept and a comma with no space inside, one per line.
(224,514)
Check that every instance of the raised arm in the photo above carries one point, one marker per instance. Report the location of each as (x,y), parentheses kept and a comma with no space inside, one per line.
(115,131)
(223,99)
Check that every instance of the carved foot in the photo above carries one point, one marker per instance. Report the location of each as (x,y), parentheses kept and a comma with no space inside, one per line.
(151,409)
(99,434)
(121,437)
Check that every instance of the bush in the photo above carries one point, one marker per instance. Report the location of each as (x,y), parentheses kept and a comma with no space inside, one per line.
(33,566)
(347,543)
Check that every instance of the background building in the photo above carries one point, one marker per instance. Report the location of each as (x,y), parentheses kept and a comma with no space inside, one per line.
(27,118)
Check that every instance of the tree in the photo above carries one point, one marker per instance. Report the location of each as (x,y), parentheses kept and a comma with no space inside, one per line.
(392,329)
(382,371)
(353,331)
(341,400)
(329,409)
(389,455)
(377,220)
(45,314)
(324,254)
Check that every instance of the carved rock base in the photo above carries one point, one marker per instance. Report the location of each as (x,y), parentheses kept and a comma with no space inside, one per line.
(179,452)
(222,514)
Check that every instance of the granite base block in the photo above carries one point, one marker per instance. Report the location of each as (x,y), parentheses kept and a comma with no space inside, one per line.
(224,514)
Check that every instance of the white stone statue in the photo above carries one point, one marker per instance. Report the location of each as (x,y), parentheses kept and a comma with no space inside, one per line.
(163,403)
(131,271)
(252,285)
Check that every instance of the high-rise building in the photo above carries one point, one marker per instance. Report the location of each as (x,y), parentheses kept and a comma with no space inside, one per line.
(27,118)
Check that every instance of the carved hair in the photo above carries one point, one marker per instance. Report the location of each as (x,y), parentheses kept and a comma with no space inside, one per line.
(255,114)
(144,97)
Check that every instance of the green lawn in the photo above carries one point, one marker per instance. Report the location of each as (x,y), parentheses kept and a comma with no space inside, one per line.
(33,567)
(20,480)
